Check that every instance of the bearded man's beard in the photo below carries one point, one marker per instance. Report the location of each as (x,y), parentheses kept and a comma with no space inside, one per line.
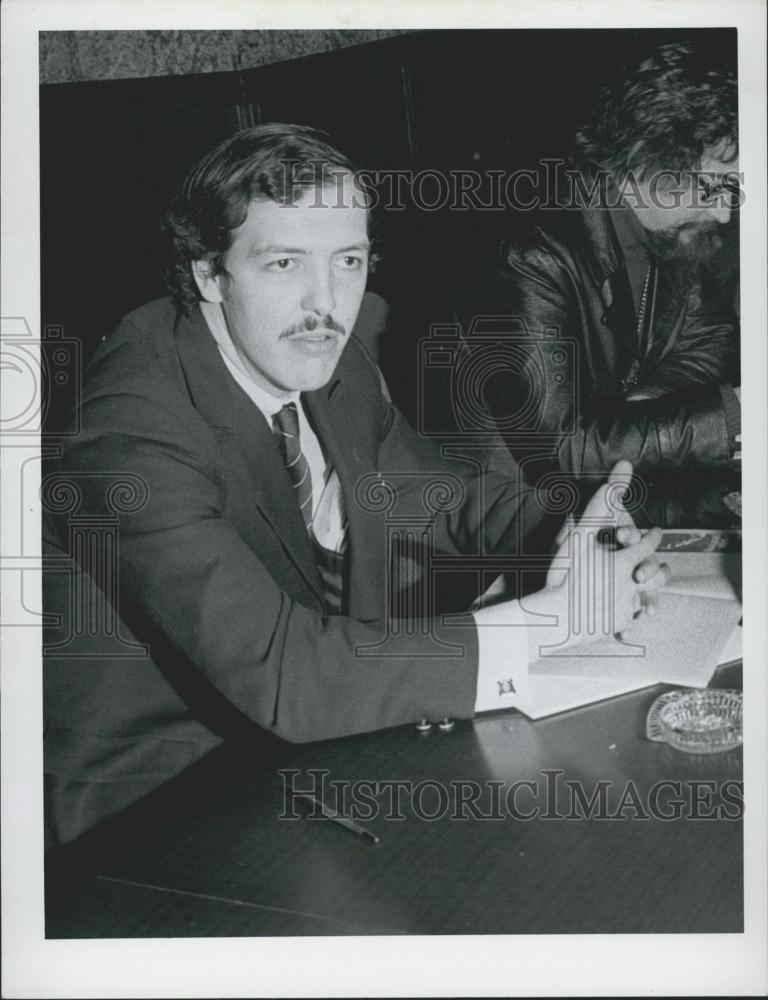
(691,245)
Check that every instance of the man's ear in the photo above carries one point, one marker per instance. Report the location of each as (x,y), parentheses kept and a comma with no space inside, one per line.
(207,282)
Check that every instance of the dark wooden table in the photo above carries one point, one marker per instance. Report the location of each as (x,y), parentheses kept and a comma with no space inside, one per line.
(209,855)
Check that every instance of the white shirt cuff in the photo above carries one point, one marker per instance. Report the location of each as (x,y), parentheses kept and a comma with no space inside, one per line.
(503,661)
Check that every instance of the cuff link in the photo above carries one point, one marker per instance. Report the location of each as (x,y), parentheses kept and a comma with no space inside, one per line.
(425,725)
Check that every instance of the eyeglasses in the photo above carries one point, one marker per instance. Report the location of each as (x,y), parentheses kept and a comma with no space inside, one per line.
(725,191)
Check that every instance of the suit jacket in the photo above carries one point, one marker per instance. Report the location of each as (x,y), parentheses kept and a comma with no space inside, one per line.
(213,620)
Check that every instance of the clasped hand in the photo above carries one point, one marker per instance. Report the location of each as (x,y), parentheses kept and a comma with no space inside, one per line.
(595,588)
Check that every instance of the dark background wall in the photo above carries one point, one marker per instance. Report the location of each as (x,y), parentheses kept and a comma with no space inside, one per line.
(114,150)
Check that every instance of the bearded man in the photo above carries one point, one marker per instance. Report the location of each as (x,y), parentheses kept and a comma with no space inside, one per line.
(610,334)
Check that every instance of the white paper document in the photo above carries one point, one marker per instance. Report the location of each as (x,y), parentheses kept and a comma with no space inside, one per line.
(706,574)
(695,628)
(681,644)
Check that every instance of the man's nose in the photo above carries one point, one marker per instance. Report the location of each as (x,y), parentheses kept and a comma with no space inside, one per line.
(319,296)
(720,212)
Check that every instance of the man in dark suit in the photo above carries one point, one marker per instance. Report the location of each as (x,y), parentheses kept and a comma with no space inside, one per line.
(241,449)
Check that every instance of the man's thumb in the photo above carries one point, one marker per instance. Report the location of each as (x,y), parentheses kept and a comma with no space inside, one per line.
(608,501)
(618,482)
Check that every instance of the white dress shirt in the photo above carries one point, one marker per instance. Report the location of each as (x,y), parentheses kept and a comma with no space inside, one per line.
(503,657)
(502,678)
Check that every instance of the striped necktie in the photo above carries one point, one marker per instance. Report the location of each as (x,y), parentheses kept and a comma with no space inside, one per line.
(286,426)
(330,564)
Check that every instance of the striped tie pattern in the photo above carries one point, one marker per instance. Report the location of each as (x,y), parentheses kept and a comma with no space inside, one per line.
(330,564)
(331,567)
(286,426)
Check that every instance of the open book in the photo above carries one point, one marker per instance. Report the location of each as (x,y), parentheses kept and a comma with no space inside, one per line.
(696,628)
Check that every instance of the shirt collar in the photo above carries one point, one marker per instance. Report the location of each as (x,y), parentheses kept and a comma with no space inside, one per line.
(266,402)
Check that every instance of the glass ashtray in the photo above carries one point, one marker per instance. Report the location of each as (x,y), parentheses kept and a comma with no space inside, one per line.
(697,721)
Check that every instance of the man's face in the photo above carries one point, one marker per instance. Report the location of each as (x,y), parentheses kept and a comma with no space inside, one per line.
(680,211)
(291,285)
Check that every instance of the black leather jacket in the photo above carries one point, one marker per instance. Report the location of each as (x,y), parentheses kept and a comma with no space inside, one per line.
(559,311)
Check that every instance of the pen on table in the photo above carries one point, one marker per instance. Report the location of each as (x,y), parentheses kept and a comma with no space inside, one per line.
(346,821)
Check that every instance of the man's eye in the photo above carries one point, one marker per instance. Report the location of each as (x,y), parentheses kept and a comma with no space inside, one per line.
(282,264)
(350,262)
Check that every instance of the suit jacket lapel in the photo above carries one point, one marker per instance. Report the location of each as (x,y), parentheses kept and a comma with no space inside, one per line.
(224,405)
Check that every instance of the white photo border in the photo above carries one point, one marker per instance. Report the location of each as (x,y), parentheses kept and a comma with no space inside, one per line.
(533,965)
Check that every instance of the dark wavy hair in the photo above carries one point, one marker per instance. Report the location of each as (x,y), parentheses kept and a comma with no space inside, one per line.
(275,161)
(664,112)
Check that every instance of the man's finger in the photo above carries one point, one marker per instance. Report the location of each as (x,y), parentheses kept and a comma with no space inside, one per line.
(642,549)
(628,535)
(607,503)
(652,575)
(650,603)
(621,471)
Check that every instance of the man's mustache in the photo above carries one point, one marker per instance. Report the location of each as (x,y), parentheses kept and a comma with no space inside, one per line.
(702,226)
(311,323)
